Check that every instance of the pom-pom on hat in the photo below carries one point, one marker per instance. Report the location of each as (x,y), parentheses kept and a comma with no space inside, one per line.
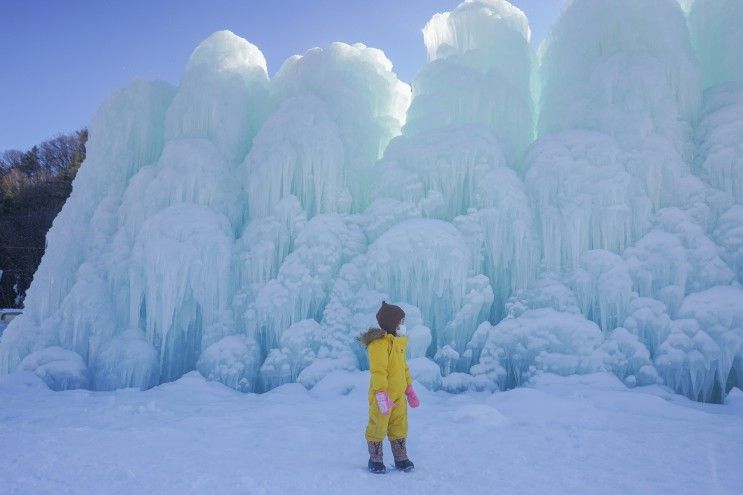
(389,317)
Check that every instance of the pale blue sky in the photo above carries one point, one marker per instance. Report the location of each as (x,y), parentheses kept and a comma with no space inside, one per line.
(60,59)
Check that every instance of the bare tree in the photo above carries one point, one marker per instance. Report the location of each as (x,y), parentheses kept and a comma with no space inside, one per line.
(34,186)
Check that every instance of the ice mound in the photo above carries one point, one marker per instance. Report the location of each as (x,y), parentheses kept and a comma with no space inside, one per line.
(127,360)
(233,360)
(223,95)
(701,358)
(482,25)
(59,368)
(538,340)
(479,73)
(630,79)
(361,94)
(425,372)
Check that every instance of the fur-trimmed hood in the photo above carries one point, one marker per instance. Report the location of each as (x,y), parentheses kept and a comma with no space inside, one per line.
(370,336)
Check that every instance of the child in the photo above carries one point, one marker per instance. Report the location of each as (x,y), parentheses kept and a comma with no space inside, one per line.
(390,379)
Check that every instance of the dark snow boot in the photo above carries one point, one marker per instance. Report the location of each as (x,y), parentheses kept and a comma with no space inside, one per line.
(376,464)
(399,451)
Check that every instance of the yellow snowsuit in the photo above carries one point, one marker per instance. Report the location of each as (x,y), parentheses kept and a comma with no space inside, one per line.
(389,372)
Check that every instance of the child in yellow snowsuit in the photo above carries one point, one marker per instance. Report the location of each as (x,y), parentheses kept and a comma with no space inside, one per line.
(390,386)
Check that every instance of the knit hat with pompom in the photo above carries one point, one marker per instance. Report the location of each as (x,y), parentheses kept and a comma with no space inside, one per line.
(389,317)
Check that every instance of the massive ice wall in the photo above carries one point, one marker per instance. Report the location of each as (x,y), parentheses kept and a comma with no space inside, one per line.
(249,227)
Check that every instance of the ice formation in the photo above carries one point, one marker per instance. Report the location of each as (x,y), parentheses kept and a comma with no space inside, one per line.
(538,340)
(479,73)
(715,31)
(570,211)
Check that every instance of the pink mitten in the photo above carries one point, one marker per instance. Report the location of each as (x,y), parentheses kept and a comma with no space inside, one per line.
(383,402)
(412,398)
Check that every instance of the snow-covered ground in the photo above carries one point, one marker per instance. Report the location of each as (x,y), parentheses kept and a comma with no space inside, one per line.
(575,435)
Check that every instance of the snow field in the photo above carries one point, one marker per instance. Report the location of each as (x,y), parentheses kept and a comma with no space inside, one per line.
(582,434)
